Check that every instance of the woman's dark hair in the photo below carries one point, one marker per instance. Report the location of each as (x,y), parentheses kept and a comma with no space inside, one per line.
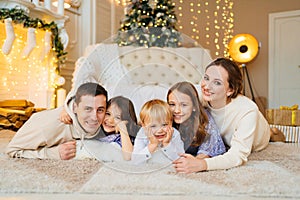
(127,113)
(92,89)
(193,130)
(235,78)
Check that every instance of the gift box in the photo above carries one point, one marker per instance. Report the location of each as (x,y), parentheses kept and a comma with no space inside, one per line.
(283,117)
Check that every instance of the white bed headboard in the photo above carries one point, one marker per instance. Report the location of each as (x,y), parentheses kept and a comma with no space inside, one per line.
(139,73)
(164,65)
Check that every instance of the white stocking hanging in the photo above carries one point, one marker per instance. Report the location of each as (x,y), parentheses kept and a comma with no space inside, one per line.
(31,42)
(10,36)
(47,45)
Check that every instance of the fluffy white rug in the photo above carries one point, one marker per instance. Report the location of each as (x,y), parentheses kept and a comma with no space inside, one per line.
(274,172)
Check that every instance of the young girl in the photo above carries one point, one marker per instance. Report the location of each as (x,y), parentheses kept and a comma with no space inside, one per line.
(197,128)
(242,126)
(120,125)
(156,134)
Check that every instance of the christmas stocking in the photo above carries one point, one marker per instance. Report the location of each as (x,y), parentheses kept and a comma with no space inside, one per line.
(10,36)
(47,45)
(31,42)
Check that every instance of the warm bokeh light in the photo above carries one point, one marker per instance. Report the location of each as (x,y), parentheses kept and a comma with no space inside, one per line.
(207,17)
(30,77)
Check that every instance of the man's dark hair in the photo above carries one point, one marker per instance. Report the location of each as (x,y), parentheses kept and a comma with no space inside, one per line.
(92,89)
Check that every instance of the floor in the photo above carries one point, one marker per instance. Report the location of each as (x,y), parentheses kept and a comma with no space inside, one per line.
(5,136)
(110,197)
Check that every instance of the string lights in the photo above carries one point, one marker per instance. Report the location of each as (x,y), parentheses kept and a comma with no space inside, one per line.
(206,22)
(32,55)
(27,77)
(211,20)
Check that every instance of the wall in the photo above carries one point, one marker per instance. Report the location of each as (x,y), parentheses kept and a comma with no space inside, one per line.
(252,17)
(249,17)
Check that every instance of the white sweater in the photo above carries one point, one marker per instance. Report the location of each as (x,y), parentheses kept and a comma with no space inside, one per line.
(243,128)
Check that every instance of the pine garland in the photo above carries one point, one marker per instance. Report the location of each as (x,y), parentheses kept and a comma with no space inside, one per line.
(19,16)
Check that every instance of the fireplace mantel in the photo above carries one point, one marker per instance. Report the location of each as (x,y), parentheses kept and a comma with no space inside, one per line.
(31,77)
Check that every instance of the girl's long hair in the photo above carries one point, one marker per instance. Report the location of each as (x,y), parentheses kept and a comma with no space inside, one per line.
(127,113)
(193,130)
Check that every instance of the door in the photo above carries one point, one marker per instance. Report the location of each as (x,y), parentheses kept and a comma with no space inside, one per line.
(284,59)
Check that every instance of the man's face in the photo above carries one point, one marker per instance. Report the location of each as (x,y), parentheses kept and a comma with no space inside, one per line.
(90,112)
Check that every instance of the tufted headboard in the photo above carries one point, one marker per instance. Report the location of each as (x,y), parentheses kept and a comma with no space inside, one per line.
(137,72)
(164,65)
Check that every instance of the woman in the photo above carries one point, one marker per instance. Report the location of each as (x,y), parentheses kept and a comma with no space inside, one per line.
(119,125)
(197,128)
(242,126)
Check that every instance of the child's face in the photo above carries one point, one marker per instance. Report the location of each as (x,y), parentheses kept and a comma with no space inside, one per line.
(156,128)
(112,118)
(181,106)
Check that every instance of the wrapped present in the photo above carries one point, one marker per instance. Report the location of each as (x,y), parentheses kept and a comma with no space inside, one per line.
(286,116)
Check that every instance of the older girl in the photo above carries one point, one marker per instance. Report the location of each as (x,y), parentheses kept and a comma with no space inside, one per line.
(197,128)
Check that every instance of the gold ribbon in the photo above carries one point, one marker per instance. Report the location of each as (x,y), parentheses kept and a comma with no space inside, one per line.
(293,108)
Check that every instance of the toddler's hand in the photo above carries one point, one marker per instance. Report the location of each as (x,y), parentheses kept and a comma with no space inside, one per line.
(169,130)
(153,141)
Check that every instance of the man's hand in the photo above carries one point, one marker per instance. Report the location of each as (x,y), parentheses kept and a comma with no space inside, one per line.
(65,117)
(67,150)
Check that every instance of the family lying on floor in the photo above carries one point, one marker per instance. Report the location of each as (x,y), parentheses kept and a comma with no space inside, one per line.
(218,132)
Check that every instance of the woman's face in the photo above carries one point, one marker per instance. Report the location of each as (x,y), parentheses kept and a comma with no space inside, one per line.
(215,87)
(112,117)
(181,106)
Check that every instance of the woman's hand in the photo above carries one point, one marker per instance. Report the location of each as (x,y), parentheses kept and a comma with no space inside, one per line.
(64,117)
(189,164)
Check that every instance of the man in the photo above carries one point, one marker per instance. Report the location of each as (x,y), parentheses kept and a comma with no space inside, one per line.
(45,136)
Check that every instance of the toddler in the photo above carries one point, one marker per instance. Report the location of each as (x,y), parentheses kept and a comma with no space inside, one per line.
(157,136)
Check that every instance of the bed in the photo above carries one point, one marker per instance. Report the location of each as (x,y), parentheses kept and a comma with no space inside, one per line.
(139,73)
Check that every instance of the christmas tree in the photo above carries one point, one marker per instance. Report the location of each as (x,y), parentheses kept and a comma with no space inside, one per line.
(149,23)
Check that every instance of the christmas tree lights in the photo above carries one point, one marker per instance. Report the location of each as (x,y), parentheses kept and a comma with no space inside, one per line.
(149,23)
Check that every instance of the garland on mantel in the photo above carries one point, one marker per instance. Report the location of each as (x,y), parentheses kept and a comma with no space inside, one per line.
(19,16)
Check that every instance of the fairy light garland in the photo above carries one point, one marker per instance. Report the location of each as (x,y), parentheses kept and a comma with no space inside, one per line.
(217,22)
(19,16)
(34,75)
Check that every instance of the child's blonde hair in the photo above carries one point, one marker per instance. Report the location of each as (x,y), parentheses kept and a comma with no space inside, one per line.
(156,109)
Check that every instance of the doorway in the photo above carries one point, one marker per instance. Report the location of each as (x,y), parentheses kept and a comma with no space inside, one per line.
(284,59)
